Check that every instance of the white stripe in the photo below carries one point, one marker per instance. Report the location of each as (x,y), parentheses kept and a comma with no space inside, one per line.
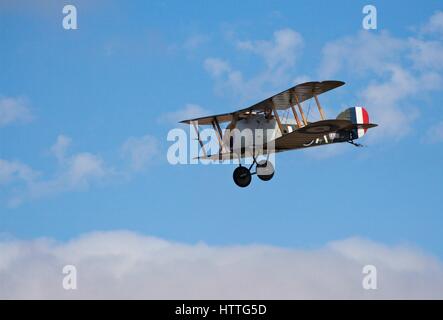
(359,115)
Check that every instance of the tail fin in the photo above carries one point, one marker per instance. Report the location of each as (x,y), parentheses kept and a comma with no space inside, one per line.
(358,116)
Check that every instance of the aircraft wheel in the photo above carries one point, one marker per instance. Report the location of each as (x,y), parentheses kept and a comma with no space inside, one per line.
(265,170)
(242,177)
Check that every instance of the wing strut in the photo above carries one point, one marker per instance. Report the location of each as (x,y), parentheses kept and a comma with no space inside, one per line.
(219,133)
(277,117)
(195,125)
(301,111)
(320,109)
(296,116)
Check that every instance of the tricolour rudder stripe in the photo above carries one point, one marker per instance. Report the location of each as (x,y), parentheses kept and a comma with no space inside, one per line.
(357,115)
(362,117)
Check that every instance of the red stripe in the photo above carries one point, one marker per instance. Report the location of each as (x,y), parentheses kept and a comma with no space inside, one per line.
(365,116)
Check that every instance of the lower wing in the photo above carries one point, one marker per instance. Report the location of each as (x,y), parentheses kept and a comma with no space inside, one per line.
(306,136)
(301,138)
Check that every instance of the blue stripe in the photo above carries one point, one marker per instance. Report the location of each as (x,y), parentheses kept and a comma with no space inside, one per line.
(354,120)
(354,115)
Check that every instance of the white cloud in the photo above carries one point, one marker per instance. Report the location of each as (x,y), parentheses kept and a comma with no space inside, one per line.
(400,72)
(359,54)
(426,54)
(216,67)
(128,265)
(195,41)
(14,110)
(279,55)
(60,147)
(83,167)
(140,151)
(391,102)
(435,24)
(382,100)
(227,80)
(13,171)
(75,172)
(433,135)
(190,111)
(394,85)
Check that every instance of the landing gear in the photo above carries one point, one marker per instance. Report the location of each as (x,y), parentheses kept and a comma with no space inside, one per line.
(355,144)
(265,170)
(243,176)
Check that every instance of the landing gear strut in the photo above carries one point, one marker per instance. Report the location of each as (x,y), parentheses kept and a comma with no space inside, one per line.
(355,144)
(263,169)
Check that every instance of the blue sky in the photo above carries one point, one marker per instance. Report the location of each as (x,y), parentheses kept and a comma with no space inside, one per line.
(132,68)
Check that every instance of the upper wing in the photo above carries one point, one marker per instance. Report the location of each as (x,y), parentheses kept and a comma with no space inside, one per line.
(281,101)
(224,117)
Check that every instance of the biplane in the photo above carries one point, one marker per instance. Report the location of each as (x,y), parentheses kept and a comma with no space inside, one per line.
(278,132)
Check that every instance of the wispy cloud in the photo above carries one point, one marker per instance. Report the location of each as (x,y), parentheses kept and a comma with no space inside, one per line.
(279,53)
(434,133)
(74,171)
(426,54)
(190,111)
(434,25)
(383,101)
(361,54)
(279,56)
(400,72)
(140,151)
(14,110)
(60,147)
(14,171)
(195,41)
(127,265)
